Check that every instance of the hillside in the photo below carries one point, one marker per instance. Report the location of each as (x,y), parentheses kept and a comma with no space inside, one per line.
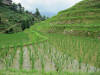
(86,12)
(84,16)
(13,19)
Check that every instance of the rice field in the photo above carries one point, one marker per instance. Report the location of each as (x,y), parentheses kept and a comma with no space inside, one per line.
(84,49)
(60,53)
(48,49)
(20,38)
(13,39)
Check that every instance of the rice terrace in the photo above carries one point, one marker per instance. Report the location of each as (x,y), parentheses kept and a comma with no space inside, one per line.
(65,44)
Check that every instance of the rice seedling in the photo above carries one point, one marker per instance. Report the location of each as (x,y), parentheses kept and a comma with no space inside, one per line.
(32,57)
(41,56)
(8,60)
(4,52)
(76,45)
(21,57)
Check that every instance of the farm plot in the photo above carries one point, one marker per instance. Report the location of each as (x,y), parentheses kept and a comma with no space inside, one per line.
(60,53)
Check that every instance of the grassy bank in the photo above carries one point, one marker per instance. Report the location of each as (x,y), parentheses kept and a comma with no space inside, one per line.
(23,72)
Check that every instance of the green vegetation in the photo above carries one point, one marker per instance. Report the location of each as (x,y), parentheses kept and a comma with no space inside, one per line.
(23,72)
(66,44)
(11,39)
(84,16)
(20,38)
(61,50)
(21,57)
(14,18)
(85,48)
(13,21)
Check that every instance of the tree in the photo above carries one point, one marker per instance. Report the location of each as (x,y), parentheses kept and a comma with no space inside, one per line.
(20,7)
(14,7)
(0,20)
(37,13)
(0,1)
(43,18)
(23,9)
(27,11)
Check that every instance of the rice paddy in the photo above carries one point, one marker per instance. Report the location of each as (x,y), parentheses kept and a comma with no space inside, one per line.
(60,53)
(66,44)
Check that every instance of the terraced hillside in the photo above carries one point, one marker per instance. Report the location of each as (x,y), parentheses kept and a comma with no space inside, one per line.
(84,16)
(87,12)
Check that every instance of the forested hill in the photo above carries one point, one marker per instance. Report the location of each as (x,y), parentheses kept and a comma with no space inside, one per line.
(10,17)
(14,18)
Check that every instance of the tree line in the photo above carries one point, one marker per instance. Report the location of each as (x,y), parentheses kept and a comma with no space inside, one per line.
(18,8)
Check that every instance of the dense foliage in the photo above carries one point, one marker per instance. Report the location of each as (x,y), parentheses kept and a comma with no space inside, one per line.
(14,18)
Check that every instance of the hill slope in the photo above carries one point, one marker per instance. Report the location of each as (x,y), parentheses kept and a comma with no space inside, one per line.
(10,18)
(86,12)
(84,16)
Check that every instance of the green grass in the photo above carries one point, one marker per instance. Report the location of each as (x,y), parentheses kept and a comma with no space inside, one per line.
(84,15)
(13,39)
(20,38)
(21,57)
(23,72)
